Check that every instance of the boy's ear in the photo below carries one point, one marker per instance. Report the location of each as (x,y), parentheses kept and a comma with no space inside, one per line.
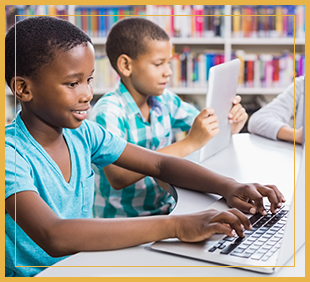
(124,65)
(23,92)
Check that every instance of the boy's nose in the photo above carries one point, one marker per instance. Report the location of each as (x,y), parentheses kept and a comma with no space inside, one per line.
(87,93)
(168,72)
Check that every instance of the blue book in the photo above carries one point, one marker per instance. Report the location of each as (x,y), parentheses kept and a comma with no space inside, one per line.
(210,62)
(78,18)
(290,20)
(89,22)
(102,22)
(110,18)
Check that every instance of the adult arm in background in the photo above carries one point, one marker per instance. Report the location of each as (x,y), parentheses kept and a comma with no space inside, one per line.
(272,120)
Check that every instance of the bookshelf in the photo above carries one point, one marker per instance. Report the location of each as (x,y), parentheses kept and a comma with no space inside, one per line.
(220,35)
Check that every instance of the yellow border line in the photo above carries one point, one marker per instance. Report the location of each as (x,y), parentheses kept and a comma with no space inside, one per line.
(166,265)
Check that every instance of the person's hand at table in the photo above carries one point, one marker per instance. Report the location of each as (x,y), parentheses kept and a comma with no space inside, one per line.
(202,225)
(248,197)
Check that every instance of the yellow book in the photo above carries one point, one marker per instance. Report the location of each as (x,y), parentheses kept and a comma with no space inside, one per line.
(236,22)
(279,21)
(52,11)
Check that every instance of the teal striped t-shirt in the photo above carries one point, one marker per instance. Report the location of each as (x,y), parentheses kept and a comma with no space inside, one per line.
(117,112)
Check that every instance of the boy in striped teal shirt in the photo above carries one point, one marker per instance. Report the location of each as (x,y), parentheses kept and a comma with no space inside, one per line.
(142,111)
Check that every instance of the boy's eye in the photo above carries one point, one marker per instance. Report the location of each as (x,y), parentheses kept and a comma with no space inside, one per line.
(73,84)
(90,79)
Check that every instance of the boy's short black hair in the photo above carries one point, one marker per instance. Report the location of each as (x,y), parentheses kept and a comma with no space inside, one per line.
(130,36)
(37,40)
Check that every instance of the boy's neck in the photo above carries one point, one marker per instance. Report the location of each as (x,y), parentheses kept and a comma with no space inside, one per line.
(140,99)
(45,134)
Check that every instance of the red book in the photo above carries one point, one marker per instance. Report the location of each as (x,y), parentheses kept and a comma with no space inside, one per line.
(276,70)
(198,10)
(172,20)
(121,13)
(250,73)
(218,59)
(84,20)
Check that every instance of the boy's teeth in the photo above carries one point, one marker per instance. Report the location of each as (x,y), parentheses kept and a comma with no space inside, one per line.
(79,112)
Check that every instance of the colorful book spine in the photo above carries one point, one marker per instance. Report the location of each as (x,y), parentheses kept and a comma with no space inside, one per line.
(23,11)
(268,21)
(269,70)
(290,20)
(191,69)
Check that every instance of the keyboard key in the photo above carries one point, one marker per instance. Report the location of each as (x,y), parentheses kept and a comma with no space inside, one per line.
(257,255)
(239,240)
(229,249)
(241,255)
(255,217)
(212,249)
(238,250)
(229,238)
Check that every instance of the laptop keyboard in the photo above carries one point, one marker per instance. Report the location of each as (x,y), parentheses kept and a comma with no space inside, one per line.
(259,243)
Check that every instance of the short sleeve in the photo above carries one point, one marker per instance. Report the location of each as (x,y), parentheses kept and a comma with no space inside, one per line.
(24,175)
(106,147)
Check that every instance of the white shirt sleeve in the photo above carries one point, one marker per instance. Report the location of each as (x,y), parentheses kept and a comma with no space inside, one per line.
(268,120)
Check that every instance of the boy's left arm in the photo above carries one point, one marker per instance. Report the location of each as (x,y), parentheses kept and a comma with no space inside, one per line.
(237,116)
(248,197)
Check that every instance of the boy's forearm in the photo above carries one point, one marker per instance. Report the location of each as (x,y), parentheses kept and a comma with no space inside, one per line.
(186,174)
(76,235)
(174,170)
(120,178)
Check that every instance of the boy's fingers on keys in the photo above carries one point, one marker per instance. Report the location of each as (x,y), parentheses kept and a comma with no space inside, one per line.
(234,219)
(252,205)
(272,196)
(243,219)
(219,228)
(280,196)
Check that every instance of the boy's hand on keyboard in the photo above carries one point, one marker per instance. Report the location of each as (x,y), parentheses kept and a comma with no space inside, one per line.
(249,197)
(199,226)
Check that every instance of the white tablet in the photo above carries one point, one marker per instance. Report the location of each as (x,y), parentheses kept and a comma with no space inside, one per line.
(222,85)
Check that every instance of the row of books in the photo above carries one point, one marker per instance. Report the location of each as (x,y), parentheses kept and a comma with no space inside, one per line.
(269,70)
(191,69)
(268,21)
(180,20)
(256,70)
(97,21)
(188,20)
(105,77)
(23,11)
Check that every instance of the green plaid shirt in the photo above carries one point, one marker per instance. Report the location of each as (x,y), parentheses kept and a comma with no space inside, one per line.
(118,112)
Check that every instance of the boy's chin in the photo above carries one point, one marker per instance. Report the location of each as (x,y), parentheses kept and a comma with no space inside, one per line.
(75,125)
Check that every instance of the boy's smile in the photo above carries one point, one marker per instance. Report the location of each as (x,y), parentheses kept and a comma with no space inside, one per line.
(62,91)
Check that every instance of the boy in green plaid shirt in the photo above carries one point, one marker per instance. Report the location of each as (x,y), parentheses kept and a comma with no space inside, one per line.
(142,111)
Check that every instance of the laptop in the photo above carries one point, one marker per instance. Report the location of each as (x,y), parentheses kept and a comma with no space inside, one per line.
(222,85)
(271,242)
(266,247)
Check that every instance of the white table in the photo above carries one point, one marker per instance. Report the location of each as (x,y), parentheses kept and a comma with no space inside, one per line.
(248,158)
